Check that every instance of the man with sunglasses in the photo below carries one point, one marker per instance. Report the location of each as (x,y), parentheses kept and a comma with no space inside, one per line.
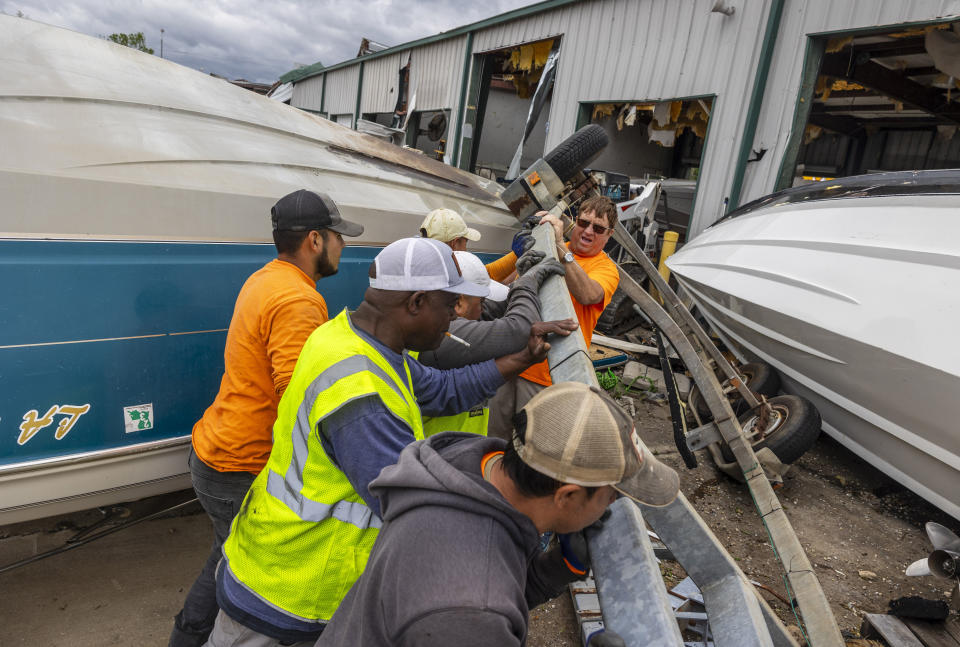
(591,278)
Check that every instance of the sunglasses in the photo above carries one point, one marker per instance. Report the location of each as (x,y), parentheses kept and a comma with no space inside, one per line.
(597,229)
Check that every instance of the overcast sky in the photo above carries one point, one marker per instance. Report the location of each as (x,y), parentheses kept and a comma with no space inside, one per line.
(259,40)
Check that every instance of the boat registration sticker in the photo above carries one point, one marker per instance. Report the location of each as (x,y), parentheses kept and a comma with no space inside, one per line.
(138,417)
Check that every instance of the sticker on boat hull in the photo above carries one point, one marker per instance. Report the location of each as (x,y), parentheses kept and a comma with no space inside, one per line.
(138,417)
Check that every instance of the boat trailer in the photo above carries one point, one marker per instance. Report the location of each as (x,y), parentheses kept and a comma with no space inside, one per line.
(631,591)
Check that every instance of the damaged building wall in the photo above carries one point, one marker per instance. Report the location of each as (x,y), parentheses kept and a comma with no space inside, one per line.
(435,76)
(621,50)
(341,97)
(783,86)
(631,152)
(381,80)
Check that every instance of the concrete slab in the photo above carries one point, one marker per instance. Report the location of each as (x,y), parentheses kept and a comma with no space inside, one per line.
(123,589)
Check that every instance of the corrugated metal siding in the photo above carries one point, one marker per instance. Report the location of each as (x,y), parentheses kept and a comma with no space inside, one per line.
(435,74)
(381,77)
(629,50)
(342,90)
(799,20)
(308,93)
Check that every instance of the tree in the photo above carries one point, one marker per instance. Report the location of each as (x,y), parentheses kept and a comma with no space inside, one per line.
(136,41)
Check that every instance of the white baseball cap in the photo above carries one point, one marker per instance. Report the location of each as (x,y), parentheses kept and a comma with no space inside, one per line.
(413,264)
(474,272)
(446,225)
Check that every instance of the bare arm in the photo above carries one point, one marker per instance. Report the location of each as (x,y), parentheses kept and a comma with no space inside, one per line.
(582,288)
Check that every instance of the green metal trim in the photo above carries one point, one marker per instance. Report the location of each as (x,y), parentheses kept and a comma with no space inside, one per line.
(356,111)
(756,100)
(812,57)
(323,92)
(461,109)
(470,116)
(703,153)
(583,114)
(302,72)
(453,33)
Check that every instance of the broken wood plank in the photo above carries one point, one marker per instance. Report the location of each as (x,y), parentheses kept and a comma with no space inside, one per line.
(619,344)
(931,633)
(891,629)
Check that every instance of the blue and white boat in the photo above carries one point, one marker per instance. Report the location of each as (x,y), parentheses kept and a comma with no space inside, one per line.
(135,202)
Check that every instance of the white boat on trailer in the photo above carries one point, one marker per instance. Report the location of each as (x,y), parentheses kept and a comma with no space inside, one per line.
(851,289)
(136,200)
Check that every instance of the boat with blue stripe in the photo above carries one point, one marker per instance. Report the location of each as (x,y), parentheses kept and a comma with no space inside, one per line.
(136,201)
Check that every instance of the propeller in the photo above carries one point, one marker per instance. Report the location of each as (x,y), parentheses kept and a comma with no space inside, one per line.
(944,561)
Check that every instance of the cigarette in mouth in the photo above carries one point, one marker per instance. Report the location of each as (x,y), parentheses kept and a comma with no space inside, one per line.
(457,339)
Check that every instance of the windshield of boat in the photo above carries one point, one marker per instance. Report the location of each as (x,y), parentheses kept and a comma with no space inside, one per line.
(859,186)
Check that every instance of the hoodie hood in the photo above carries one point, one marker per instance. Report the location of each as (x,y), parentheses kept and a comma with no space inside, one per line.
(444,470)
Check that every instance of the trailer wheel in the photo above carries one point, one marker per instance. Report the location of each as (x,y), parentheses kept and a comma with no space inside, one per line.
(794,429)
(759,377)
(576,151)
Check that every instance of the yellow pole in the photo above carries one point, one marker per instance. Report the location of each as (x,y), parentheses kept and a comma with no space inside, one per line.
(670,239)
(669,247)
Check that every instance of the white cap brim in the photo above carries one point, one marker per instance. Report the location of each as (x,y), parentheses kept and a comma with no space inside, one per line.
(472,234)
(498,291)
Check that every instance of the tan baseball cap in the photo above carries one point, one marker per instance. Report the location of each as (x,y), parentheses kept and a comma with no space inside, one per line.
(578,434)
(446,225)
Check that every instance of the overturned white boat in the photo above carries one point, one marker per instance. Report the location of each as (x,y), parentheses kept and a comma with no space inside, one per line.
(851,289)
(136,201)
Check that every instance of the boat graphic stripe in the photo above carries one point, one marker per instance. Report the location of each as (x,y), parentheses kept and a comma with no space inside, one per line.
(951,261)
(90,341)
(766,332)
(777,278)
(350,512)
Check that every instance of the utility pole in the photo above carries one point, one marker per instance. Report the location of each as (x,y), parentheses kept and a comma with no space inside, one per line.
(161,42)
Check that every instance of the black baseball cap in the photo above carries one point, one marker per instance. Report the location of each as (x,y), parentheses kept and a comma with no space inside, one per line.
(305,211)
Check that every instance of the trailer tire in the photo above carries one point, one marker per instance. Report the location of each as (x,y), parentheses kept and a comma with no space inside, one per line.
(576,151)
(793,436)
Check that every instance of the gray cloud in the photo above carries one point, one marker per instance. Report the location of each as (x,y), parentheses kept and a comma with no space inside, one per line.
(255,39)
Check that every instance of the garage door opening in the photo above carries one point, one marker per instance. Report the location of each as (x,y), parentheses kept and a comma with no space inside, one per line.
(507,82)
(886,100)
(654,141)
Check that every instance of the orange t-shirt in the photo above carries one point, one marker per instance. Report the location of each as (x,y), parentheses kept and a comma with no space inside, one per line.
(277,309)
(602,270)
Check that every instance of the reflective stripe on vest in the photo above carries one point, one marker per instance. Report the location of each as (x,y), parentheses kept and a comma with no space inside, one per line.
(303,535)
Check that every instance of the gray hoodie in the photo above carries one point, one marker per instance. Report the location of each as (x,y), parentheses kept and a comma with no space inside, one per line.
(454,565)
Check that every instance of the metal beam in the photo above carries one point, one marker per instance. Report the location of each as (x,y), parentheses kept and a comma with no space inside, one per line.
(893,84)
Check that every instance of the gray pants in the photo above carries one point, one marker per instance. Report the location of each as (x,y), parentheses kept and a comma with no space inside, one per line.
(227,632)
(506,402)
(220,494)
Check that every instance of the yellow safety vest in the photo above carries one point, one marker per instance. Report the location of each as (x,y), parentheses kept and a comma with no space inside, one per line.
(475,421)
(303,535)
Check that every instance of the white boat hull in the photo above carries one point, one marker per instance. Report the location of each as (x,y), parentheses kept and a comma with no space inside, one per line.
(855,301)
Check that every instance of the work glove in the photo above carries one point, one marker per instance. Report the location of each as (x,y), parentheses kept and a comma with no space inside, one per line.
(540,273)
(522,241)
(573,546)
(605,638)
(528,259)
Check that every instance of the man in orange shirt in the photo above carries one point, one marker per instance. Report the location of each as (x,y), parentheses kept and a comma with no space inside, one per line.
(277,309)
(591,278)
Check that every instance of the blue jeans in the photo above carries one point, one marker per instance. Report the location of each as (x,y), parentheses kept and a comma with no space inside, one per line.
(220,494)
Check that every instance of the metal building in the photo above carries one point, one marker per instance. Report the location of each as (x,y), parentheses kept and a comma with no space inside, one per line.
(736,97)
